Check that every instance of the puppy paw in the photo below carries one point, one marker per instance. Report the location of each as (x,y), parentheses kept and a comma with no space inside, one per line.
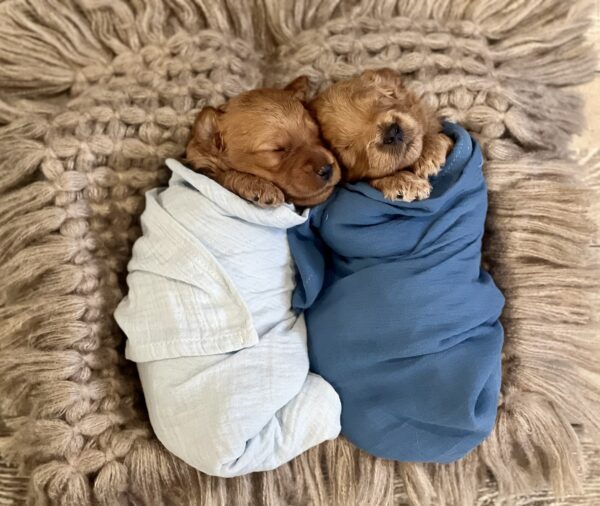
(403,185)
(253,188)
(435,150)
(264,194)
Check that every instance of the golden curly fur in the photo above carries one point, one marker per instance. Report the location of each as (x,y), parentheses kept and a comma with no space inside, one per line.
(382,133)
(264,146)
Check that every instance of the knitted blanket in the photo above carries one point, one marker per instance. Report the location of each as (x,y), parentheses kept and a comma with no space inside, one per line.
(402,320)
(95,94)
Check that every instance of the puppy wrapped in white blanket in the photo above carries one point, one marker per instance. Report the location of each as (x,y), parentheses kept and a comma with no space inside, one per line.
(222,357)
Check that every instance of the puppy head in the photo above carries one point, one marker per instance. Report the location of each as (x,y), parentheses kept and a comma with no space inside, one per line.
(373,123)
(267,133)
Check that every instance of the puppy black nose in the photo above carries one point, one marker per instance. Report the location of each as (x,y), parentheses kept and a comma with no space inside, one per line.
(325,172)
(393,134)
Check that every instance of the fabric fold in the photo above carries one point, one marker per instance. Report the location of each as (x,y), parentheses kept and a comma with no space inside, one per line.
(401,318)
(222,356)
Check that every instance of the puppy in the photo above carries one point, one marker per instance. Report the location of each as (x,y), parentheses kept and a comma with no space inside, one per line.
(402,321)
(221,354)
(264,146)
(382,133)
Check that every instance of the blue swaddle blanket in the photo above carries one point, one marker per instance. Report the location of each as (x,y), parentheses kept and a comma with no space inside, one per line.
(402,320)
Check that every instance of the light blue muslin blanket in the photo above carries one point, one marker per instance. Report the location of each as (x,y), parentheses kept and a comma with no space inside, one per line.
(402,320)
(221,355)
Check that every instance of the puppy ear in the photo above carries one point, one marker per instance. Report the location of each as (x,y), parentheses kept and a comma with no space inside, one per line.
(206,129)
(384,77)
(299,88)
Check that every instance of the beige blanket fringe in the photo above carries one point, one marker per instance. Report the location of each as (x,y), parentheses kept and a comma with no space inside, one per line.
(94,94)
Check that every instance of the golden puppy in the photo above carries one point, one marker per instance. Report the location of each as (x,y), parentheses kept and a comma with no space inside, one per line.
(382,133)
(264,146)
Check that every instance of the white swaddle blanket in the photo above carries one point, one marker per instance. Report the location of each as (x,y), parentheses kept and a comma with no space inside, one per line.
(221,355)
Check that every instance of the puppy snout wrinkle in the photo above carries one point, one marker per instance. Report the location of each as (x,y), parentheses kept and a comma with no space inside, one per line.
(393,134)
(325,172)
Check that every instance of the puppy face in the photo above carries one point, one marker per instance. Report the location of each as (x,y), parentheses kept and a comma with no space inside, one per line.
(269,134)
(373,124)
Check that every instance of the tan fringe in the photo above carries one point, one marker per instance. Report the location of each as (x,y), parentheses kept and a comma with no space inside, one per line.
(550,324)
(74,170)
(12,487)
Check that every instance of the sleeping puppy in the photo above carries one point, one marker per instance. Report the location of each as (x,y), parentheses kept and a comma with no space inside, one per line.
(382,133)
(222,356)
(264,146)
(402,320)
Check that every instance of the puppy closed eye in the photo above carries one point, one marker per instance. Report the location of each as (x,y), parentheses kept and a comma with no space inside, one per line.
(272,149)
(342,148)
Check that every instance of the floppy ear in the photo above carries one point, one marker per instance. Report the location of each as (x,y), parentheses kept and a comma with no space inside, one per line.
(385,78)
(206,129)
(299,87)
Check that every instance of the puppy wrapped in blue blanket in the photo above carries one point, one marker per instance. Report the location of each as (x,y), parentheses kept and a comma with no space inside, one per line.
(402,320)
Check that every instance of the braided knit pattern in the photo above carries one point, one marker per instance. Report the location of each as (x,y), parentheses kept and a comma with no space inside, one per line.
(94,95)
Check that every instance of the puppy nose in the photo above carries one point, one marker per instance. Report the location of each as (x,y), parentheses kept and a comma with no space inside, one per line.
(325,172)
(393,134)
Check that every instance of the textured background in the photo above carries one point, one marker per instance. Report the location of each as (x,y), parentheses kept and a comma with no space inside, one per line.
(93,161)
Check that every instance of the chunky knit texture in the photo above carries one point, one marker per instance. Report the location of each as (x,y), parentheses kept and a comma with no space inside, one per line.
(94,95)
